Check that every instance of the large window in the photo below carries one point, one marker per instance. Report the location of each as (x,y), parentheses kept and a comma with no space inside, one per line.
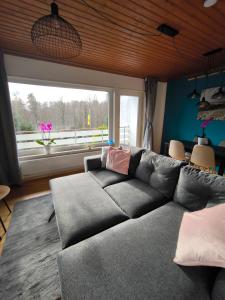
(79,116)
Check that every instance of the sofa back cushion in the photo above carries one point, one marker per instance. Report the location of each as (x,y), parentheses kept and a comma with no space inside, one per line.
(165,174)
(159,171)
(218,291)
(197,189)
(145,167)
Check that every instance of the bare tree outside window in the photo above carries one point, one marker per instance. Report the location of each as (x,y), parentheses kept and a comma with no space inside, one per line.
(78,116)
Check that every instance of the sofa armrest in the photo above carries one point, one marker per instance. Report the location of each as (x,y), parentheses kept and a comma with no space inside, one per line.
(92,162)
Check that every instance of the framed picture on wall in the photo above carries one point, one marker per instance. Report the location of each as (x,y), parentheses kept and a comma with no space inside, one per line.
(214,107)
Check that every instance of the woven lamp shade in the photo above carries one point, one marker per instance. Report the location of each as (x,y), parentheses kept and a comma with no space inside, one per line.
(55,37)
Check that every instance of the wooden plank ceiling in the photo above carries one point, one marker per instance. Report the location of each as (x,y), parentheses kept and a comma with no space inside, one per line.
(134,47)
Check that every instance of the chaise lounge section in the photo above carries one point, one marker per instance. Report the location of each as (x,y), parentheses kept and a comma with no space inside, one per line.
(82,208)
(133,260)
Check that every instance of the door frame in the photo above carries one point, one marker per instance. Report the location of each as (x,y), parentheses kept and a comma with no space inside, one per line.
(140,118)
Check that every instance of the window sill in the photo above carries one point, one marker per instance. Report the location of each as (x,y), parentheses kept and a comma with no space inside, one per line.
(58,153)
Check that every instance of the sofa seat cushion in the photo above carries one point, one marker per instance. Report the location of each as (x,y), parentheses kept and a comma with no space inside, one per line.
(133,260)
(82,208)
(106,177)
(135,197)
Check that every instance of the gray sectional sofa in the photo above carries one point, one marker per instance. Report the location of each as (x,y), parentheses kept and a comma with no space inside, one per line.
(119,233)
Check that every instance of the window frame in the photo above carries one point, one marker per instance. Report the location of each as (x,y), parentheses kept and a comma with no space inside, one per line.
(65,149)
(140,113)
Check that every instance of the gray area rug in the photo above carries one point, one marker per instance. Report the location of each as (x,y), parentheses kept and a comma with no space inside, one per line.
(28,267)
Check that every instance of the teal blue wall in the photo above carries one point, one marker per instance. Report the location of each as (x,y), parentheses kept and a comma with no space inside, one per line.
(181,112)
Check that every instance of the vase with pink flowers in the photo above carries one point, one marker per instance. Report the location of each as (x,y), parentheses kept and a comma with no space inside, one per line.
(203,140)
(46,141)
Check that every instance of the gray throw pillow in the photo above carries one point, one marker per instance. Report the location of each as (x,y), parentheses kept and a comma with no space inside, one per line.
(197,189)
(145,167)
(135,157)
(165,175)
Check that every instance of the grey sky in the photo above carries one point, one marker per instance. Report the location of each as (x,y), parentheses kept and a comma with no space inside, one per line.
(49,93)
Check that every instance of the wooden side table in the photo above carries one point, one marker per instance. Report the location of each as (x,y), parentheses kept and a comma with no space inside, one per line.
(4,191)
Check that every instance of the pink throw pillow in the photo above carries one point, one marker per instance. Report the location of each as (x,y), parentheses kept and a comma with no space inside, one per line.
(201,240)
(118,160)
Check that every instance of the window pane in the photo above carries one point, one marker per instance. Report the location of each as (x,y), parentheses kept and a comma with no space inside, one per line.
(78,116)
(128,120)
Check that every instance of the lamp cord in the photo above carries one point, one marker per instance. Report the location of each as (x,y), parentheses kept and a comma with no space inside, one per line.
(115,23)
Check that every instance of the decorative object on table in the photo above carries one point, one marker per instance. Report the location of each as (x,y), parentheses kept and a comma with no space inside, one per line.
(4,191)
(110,142)
(54,36)
(203,140)
(46,140)
(194,94)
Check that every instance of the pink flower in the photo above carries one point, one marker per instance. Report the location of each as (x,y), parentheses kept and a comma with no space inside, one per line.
(45,127)
(42,127)
(205,123)
(49,126)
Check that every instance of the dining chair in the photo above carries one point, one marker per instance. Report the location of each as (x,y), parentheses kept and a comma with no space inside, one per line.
(176,150)
(203,157)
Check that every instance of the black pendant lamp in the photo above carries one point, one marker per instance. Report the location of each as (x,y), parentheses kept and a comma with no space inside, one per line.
(194,94)
(221,93)
(54,36)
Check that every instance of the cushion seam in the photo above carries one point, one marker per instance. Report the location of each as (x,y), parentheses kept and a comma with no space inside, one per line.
(117,204)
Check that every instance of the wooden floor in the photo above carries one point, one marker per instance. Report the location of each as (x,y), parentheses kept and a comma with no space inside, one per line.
(27,191)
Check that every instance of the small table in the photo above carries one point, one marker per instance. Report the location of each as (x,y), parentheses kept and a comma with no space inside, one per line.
(4,191)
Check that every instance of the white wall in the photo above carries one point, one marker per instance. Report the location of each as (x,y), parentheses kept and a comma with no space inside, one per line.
(53,165)
(42,70)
